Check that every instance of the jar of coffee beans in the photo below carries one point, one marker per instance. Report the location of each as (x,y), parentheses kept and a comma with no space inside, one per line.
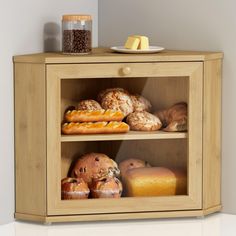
(76,34)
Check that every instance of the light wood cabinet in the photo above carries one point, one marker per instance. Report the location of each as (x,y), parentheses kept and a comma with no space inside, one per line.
(46,84)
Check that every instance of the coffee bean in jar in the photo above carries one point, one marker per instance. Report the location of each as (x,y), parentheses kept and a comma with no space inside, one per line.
(77,34)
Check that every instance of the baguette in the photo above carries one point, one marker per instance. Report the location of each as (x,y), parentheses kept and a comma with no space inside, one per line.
(93,115)
(95,128)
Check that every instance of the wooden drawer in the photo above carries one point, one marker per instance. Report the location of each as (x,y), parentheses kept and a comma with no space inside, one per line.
(114,70)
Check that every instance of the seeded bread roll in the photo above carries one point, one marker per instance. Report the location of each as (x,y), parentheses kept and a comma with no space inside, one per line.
(175,118)
(89,104)
(154,181)
(109,187)
(132,163)
(95,166)
(105,91)
(74,188)
(140,103)
(143,121)
(118,101)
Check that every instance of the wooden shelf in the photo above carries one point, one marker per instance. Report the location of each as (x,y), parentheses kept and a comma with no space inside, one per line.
(132,135)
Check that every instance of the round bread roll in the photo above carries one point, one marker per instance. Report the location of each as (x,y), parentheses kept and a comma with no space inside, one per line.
(95,166)
(105,91)
(143,121)
(118,101)
(110,187)
(89,105)
(74,188)
(132,164)
(140,103)
(154,181)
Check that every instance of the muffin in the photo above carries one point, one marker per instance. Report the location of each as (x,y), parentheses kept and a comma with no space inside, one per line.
(118,101)
(95,166)
(74,188)
(89,105)
(132,163)
(140,103)
(109,187)
(143,121)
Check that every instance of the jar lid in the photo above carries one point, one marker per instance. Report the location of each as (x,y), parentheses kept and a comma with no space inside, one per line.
(76,17)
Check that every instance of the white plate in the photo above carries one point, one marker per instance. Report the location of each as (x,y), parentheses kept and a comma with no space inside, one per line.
(152,49)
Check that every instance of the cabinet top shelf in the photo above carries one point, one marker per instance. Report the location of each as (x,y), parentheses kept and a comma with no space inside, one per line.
(132,135)
(105,55)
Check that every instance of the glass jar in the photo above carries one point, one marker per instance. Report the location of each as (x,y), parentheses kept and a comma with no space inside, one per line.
(76,34)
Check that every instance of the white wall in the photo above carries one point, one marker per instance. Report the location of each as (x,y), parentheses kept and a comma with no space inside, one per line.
(185,24)
(26,27)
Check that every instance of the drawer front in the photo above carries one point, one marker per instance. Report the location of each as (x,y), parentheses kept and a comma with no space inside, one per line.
(193,71)
(69,71)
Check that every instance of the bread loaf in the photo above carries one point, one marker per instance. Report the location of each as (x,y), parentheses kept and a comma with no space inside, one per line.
(93,115)
(175,118)
(154,181)
(95,128)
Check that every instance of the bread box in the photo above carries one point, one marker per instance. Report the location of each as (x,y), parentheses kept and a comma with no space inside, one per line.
(46,84)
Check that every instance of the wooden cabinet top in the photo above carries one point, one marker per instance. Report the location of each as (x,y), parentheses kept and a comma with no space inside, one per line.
(105,55)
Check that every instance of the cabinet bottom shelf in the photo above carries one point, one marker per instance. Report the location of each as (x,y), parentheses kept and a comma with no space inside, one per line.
(117,216)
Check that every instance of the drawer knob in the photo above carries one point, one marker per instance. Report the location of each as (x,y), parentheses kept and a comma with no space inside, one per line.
(126,70)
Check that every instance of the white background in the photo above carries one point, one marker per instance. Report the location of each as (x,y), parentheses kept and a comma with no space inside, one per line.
(27,26)
(190,25)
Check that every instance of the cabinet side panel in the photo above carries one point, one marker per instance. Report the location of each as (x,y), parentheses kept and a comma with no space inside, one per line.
(212,134)
(30,139)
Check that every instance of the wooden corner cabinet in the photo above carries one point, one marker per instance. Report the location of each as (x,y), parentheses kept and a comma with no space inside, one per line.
(47,83)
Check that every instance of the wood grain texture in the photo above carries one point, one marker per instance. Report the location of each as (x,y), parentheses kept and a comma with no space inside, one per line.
(105,55)
(131,135)
(212,134)
(43,156)
(124,216)
(30,138)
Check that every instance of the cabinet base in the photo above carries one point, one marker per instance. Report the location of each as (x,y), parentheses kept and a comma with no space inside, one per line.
(117,216)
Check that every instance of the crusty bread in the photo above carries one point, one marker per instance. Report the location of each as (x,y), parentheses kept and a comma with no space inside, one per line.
(93,115)
(154,181)
(140,103)
(132,163)
(95,128)
(175,118)
(117,100)
(89,104)
(143,121)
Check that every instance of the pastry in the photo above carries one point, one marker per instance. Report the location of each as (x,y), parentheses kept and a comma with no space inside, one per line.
(132,164)
(105,91)
(95,128)
(154,181)
(89,105)
(108,187)
(95,166)
(140,103)
(118,101)
(74,188)
(143,121)
(93,115)
(175,118)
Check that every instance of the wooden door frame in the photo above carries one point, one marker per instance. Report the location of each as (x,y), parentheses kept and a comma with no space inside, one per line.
(193,201)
